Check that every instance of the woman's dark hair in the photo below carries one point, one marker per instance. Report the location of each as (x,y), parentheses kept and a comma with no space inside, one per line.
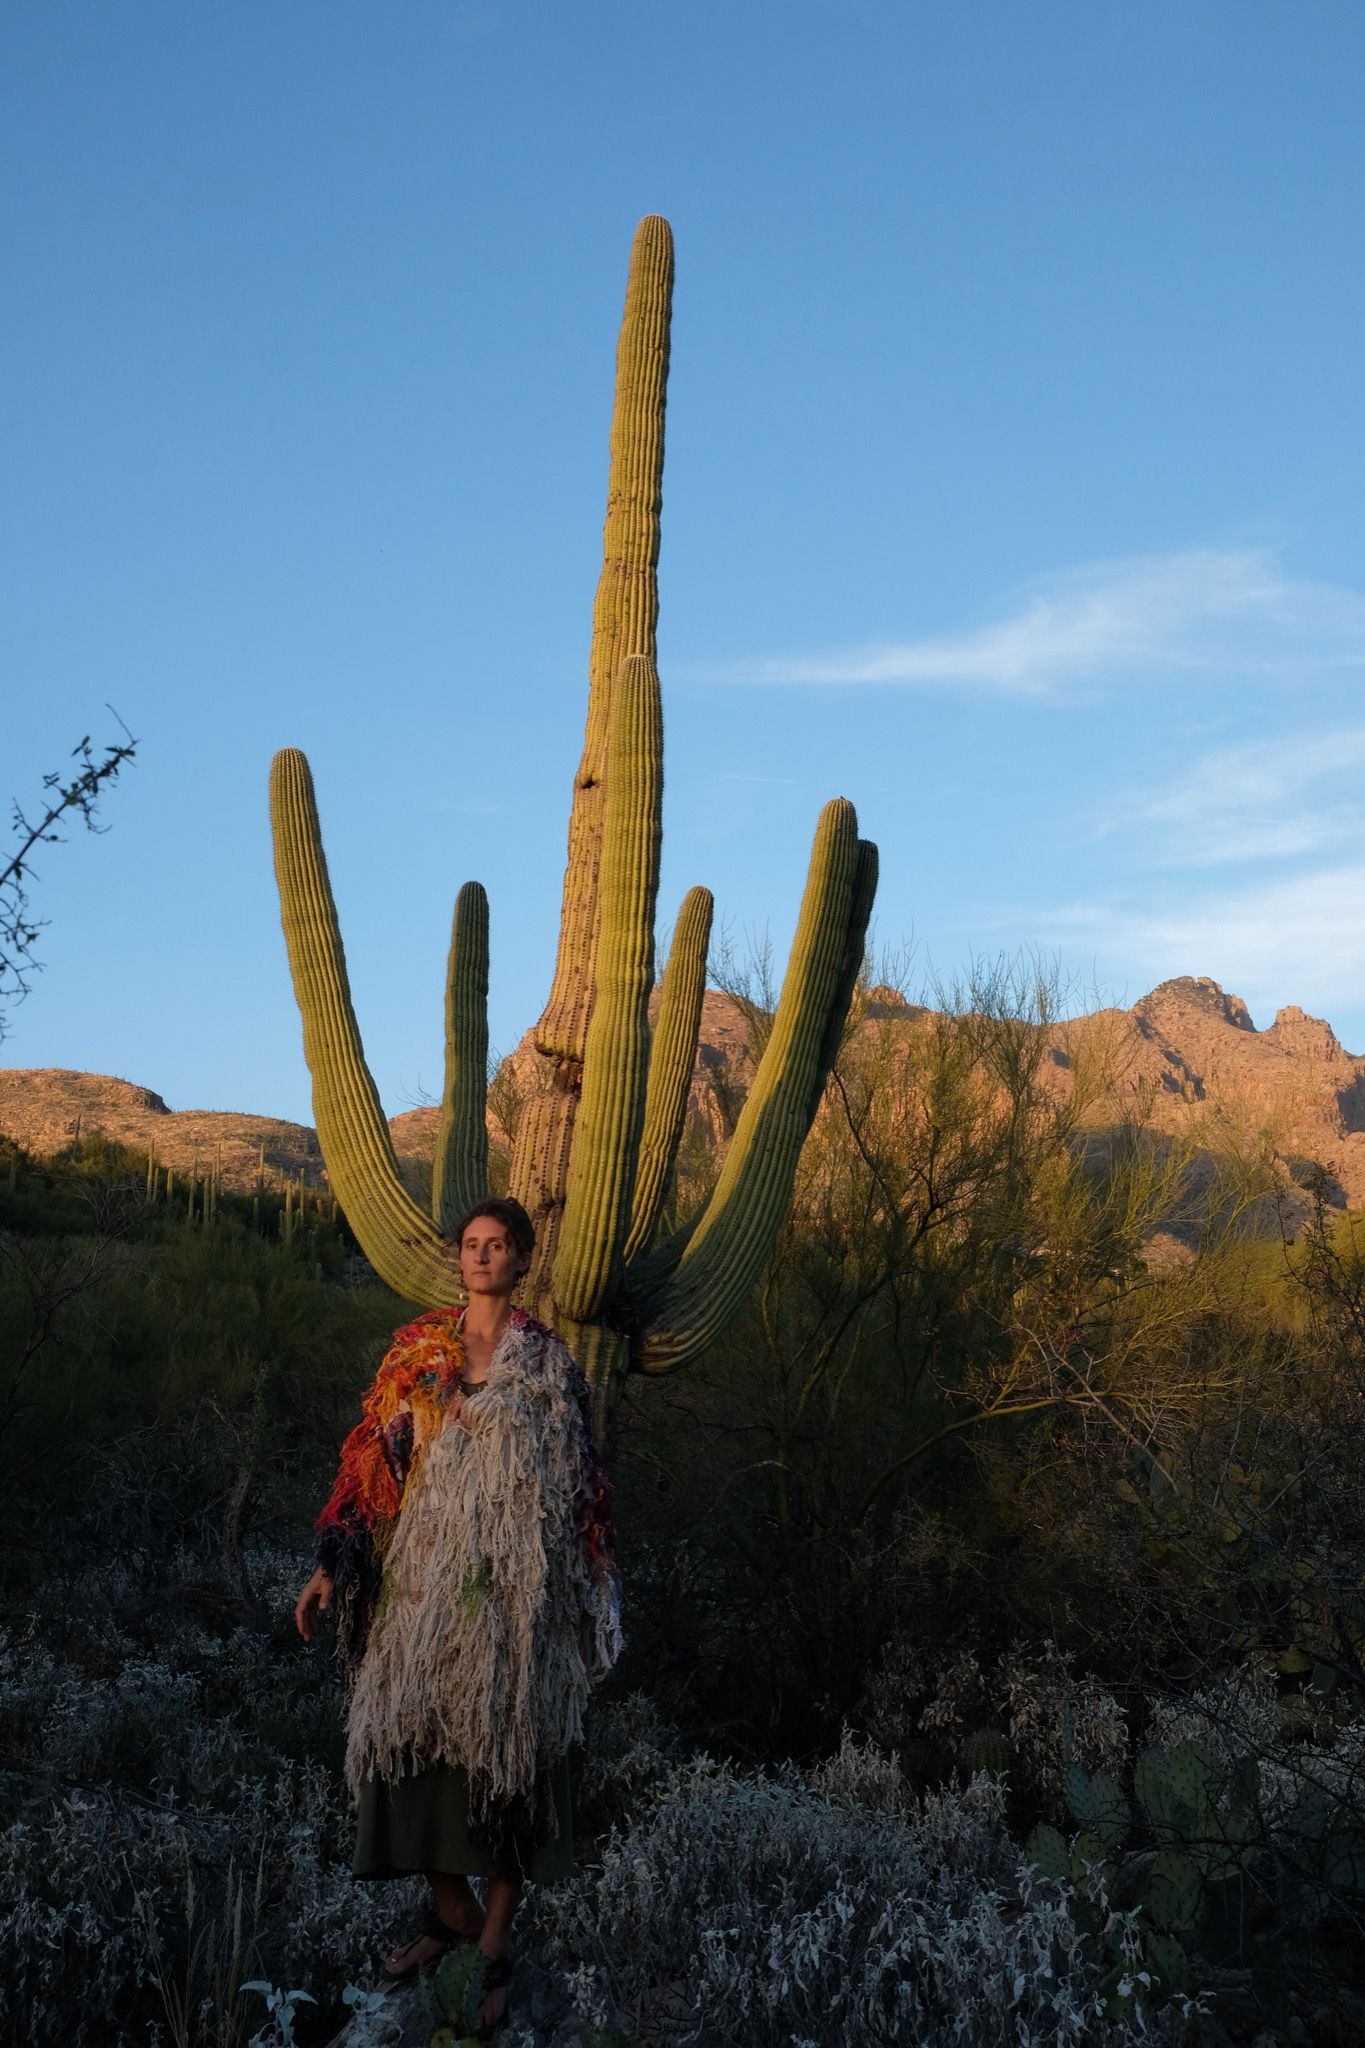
(509,1214)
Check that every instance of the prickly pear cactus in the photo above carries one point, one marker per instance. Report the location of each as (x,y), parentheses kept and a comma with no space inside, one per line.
(1046,1849)
(1173,1896)
(1100,1805)
(458,1980)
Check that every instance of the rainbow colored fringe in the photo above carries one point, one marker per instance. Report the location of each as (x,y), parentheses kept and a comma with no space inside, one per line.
(403,1409)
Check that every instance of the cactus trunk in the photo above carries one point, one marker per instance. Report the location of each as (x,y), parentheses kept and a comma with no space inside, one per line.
(625,615)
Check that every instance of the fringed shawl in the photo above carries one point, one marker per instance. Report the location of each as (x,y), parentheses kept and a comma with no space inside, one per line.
(473,1567)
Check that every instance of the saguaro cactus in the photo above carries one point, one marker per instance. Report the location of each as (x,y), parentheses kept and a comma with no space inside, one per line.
(598,1136)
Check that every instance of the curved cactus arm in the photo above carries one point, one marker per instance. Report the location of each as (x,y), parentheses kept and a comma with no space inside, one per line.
(597,1200)
(859,915)
(402,1244)
(625,613)
(672,1056)
(726,1251)
(460,1175)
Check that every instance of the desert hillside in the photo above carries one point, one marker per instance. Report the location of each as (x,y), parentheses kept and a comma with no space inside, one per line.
(1187,1053)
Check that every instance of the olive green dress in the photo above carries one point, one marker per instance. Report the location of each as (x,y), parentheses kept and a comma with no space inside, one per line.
(420,1822)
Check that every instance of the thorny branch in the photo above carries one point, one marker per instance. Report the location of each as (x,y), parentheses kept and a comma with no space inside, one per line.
(77,796)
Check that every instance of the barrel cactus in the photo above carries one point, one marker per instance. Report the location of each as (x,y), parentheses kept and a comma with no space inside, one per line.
(598,1134)
(985,1749)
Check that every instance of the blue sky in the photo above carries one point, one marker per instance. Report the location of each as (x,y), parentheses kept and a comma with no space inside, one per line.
(1013,486)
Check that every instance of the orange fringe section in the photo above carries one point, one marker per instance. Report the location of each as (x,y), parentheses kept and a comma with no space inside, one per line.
(419,1372)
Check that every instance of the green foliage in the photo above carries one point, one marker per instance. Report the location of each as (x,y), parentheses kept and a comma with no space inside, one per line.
(1197,1888)
(281,2014)
(117,1318)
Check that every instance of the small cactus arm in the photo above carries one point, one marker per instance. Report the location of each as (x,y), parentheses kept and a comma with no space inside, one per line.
(403,1244)
(672,1057)
(460,1175)
(735,1233)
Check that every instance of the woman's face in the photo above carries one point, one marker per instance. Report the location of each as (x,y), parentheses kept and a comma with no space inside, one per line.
(489,1260)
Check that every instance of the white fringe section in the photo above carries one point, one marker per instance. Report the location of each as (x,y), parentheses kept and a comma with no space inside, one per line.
(476,1652)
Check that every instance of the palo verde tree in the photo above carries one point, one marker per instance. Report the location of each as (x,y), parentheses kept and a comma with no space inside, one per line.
(596,1140)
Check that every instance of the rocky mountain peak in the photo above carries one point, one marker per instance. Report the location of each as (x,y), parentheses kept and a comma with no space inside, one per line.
(1296,1031)
(1200,992)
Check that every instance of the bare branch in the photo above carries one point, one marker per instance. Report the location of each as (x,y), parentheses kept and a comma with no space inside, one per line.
(65,795)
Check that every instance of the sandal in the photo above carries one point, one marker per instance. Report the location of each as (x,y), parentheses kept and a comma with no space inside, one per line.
(433,1928)
(496,1976)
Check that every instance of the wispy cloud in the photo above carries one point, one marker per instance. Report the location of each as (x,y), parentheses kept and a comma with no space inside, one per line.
(1300,940)
(1218,611)
(1265,799)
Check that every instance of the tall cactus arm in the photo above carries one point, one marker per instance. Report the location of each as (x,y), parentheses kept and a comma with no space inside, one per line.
(625,612)
(597,1201)
(672,1056)
(725,1253)
(402,1244)
(460,1176)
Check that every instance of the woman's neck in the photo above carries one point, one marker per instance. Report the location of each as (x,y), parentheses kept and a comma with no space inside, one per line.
(485,1317)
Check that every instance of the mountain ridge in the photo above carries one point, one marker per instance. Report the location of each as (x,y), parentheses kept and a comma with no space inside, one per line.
(1188,1049)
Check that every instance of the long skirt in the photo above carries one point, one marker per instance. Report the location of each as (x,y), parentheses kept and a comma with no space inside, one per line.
(420,1822)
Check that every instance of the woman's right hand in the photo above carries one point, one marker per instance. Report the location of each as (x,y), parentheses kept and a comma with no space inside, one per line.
(315,1599)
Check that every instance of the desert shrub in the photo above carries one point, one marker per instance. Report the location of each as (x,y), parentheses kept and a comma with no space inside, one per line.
(104,1335)
(1047,1714)
(836,1907)
(961,1331)
(1230,1814)
(175,1823)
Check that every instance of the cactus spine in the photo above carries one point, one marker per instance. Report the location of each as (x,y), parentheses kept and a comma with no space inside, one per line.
(599,1130)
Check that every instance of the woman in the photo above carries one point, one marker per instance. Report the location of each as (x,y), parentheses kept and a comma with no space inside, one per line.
(467,1549)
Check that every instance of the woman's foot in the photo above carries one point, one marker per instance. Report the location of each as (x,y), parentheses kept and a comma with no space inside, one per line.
(431,1943)
(497,1972)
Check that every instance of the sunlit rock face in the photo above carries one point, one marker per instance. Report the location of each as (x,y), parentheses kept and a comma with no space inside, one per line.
(1185,1052)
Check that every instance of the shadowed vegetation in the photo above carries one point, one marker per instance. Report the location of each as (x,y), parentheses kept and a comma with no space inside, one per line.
(1033,1455)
